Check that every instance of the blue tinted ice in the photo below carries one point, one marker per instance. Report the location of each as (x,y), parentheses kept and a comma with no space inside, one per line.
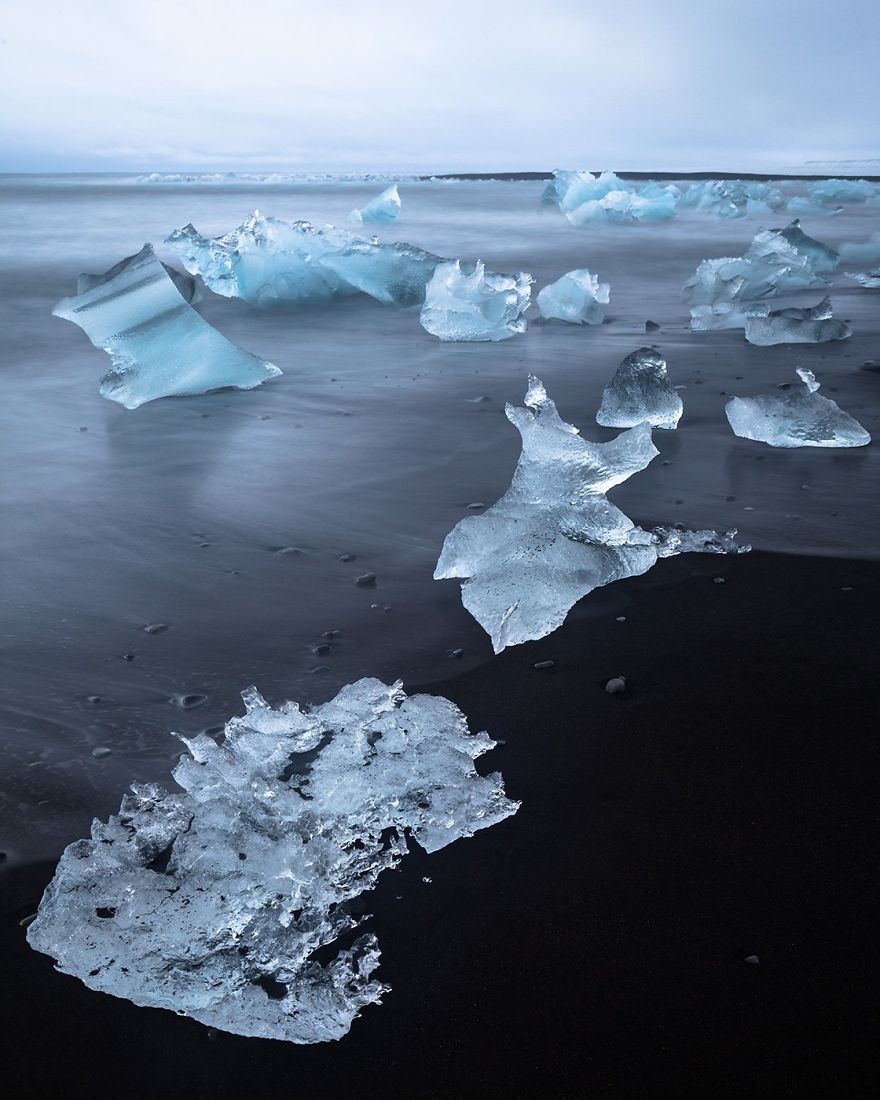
(467,302)
(640,392)
(159,345)
(800,419)
(554,536)
(383,208)
(211,900)
(584,198)
(577,297)
(733,198)
(812,325)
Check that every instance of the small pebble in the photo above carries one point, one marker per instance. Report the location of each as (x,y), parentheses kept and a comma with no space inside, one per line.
(544,664)
(616,685)
(320,668)
(620,619)
(456,653)
(129,656)
(476,506)
(93,699)
(730,498)
(188,702)
(332,634)
(651,326)
(321,649)
(426,878)
(387,608)
(84,429)
(752,960)
(748,508)
(365,580)
(719,580)
(346,557)
(155,628)
(290,550)
(846,588)
(100,751)
(478,400)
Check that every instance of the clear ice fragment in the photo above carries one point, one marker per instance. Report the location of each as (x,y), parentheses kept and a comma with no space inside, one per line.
(584,198)
(159,345)
(382,209)
(212,900)
(870,280)
(798,419)
(554,536)
(733,198)
(640,392)
(813,325)
(467,302)
(577,297)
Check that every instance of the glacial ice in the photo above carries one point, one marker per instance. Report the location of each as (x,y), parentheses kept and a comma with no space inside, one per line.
(813,325)
(554,537)
(470,303)
(213,900)
(382,209)
(187,285)
(799,419)
(870,280)
(577,297)
(723,315)
(640,392)
(778,261)
(159,345)
(267,261)
(583,198)
(733,198)
(833,191)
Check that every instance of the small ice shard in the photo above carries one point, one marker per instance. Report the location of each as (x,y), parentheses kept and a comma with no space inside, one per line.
(640,392)
(778,261)
(470,303)
(269,262)
(584,198)
(813,325)
(798,419)
(159,345)
(554,537)
(862,252)
(870,280)
(384,208)
(212,900)
(577,297)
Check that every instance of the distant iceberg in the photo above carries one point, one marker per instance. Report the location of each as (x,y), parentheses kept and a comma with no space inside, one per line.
(467,302)
(213,900)
(733,198)
(577,297)
(554,536)
(831,192)
(640,392)
(813,325)
(798,419)
(268,262)
(584,198)
(159,345)
(382,209)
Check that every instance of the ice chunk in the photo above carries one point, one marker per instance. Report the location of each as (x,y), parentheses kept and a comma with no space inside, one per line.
(577,297)
(813,325)
(724,315)
(778,261)
(583,198)
(470,303)
(832,191)
(269,262)
(733,198)
(553,537)
(213,900)
(797,419)
(159,345)
(640,392)
(862,252)
(869,280)
(384,208)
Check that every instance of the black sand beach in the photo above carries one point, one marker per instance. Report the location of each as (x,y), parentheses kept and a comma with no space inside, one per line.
(596,943)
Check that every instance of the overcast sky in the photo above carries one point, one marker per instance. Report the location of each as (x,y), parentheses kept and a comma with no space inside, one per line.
(437,85)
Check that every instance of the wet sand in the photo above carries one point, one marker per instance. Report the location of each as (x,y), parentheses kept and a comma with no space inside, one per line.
(723,807)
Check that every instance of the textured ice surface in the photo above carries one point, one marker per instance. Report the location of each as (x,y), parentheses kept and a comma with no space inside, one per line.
(723,315)
(187,285)
(778,261)
(159,345)
(733,198)
(583,198)
(470,303)
(833,191)
(870,280)
(267,261)
(640,392)
(799,419)
(383,208)
(813,325)
(211,901)
(553,537)
(577,297)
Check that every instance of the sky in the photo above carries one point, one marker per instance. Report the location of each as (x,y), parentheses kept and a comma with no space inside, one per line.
(439,86)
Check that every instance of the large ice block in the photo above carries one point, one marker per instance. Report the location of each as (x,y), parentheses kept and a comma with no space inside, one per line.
(554,536)
(212,900)
(269,262)
(159,345)
(830,192)
(577,297)
(799,419)
(382,209)
(640,392)
(584,198)
(813,325)
(467,302)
